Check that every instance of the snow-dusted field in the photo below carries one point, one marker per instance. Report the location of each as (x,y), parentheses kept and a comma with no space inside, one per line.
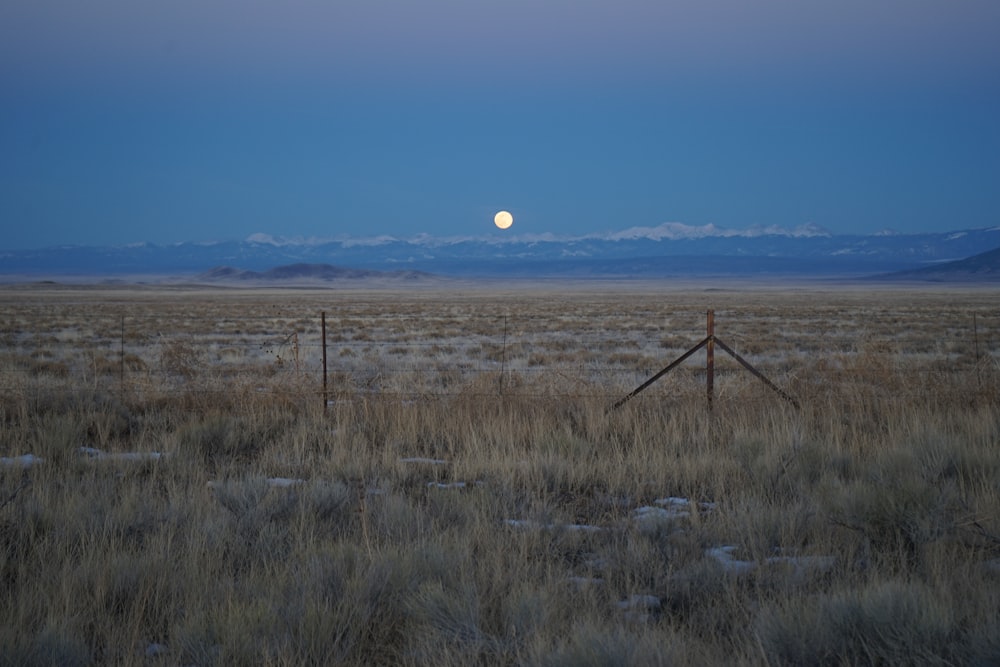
(174,490)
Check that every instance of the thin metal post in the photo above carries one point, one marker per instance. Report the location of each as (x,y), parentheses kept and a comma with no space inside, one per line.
(121,356)
(503,356)
(979,367)
(323,330)
(710,358)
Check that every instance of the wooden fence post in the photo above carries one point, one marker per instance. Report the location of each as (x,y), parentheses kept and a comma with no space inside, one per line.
(503,357)
(323,330)
(710,358)
(121,360)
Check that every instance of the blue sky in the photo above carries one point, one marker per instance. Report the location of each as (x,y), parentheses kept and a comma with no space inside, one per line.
(125,121)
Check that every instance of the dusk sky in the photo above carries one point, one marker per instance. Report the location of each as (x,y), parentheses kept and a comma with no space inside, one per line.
(124,121)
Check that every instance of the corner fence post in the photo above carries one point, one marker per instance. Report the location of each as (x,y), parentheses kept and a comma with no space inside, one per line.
(710,358)
(323,334)
(708,343)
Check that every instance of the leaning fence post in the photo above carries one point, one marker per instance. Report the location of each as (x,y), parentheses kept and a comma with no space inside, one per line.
(323,333)
(666,369)
(747,365)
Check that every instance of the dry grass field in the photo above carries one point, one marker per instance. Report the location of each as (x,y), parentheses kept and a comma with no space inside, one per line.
(176,489)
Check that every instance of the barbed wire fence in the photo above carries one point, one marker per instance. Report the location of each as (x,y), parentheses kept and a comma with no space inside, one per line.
(341,357)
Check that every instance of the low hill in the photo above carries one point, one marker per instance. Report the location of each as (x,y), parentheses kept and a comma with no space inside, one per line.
(984,267)
(306,274)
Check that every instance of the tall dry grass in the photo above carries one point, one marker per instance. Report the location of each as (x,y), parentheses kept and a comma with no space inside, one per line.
(457,517)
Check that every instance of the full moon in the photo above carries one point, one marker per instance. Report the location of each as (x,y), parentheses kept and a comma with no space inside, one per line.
(503,219)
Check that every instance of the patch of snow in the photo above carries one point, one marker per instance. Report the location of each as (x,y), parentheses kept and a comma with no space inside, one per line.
(670,509)
(263,239)
(674,231)
(581,528)
(95,454)
(139,456)
(650,514)
(284,482)
(668,230)
(724,556)
(23,461)
(278,241)
(452,485)
(675,502)
(367,242)
(800,564)
(276,482)
(421,459)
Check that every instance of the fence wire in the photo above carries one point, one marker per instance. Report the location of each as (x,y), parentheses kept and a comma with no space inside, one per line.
(411,352)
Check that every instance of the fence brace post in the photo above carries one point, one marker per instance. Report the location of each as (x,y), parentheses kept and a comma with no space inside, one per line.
(323,330)
(709,343)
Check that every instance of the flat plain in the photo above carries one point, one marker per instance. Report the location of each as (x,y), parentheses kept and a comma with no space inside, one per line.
(183,484)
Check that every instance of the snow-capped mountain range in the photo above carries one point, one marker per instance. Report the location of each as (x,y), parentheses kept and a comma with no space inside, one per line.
(670,249)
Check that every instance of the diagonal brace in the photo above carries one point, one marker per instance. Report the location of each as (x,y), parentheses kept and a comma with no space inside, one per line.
(746,365)
(669,367)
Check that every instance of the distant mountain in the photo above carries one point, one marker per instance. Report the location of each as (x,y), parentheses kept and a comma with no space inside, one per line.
(984,267)
(670,249)
(305,274)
